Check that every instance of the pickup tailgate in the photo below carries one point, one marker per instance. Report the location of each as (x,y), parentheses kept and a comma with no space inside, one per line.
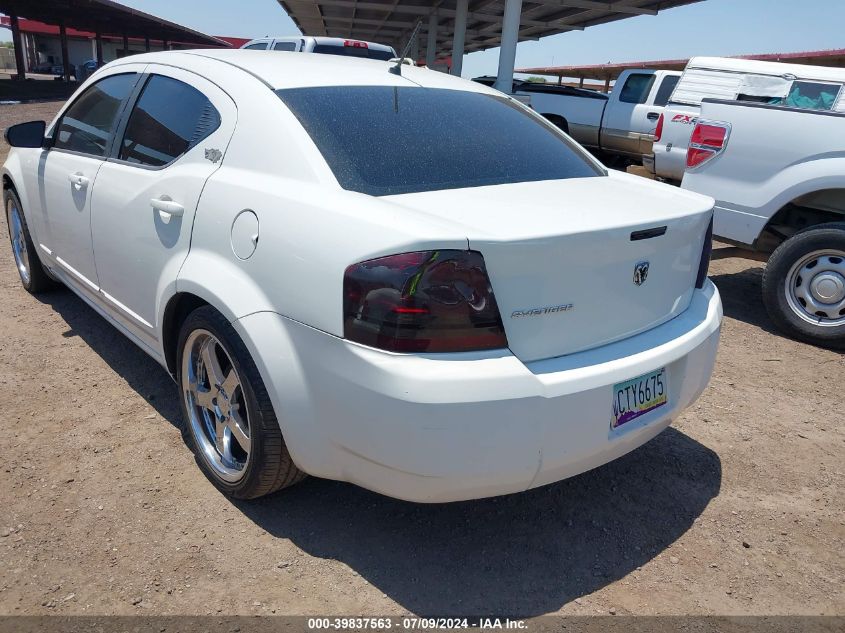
(670,152)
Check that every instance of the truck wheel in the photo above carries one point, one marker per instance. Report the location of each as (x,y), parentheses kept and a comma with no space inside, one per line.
(230,424)
(804,285)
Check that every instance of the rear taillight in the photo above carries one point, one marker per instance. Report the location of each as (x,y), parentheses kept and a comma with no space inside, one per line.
(355,44)
(704,262)
(708,140)
(426,301)
(658,131)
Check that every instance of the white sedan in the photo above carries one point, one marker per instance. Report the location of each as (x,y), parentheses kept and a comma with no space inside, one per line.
(402,280)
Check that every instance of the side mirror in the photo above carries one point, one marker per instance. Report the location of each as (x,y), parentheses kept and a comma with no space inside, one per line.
(30,134)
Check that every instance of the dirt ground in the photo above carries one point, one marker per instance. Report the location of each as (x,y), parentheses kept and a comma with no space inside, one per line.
(739,508)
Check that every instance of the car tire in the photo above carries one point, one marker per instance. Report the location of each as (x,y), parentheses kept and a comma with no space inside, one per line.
(804,285)
(228,419)
(32,273)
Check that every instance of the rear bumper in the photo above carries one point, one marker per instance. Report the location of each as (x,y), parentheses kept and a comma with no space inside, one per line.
(446,428)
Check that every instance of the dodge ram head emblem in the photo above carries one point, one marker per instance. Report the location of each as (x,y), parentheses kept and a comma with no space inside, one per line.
(640,273)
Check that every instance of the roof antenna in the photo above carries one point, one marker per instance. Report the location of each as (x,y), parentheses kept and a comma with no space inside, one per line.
(397,69)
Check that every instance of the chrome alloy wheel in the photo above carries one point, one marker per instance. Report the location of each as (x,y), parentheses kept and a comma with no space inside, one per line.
(16,231)
(216,405)
(815,288)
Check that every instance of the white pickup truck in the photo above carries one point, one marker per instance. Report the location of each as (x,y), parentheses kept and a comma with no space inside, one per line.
(777,173)
(729,79)
(621,123)
(324,45)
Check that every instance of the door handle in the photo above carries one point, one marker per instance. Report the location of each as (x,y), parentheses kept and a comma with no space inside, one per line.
(653,116)
(167,208)
(78,180)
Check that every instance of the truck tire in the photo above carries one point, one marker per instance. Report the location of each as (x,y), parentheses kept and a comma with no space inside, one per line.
(804,285)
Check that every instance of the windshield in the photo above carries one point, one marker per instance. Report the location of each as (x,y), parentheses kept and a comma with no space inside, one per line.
(381,140)
(354,51)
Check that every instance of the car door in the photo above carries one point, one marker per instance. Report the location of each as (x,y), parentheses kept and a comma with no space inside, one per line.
(626,115)
(171,140)
(67,170)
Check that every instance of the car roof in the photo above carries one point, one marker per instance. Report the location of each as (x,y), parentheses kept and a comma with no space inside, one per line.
(303,70)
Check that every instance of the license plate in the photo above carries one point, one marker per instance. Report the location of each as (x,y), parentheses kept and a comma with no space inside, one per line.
(638,396)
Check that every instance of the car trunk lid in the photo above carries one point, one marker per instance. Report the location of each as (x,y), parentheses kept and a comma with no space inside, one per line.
(579,263)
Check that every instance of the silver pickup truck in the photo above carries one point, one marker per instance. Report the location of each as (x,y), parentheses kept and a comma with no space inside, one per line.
(621,123)
(777,173)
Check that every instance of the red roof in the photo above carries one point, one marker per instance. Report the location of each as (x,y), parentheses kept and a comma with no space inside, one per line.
(40,28)
(235,42)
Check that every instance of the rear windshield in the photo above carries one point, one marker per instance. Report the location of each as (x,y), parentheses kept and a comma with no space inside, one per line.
(353,51)
(381,140)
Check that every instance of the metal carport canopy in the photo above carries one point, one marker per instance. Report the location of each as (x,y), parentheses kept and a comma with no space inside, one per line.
(107,18)
(391,21)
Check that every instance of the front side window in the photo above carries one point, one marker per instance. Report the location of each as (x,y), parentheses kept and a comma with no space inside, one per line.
(284,46)
(169,118)
(88,124)
(665,91)
(261,46)
(636,88)
(382,140)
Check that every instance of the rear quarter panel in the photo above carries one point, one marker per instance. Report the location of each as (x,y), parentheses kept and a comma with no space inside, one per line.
(773,156)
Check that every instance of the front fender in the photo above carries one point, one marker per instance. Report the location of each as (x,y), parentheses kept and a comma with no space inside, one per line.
(12,171)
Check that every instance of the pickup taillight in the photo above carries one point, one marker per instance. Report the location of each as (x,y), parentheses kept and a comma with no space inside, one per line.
(658,132)
(708,140)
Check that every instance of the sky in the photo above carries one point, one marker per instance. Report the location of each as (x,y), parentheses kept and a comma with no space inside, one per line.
(712,27)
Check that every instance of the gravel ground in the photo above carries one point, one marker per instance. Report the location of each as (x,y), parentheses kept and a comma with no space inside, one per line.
(737,509)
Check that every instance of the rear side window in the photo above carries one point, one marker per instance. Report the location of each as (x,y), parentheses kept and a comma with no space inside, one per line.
(636,88)
(169,118)
(261,46)
(381,140)
(665,91)
(353,51)
(284,46)
(812,95)
(88,124)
